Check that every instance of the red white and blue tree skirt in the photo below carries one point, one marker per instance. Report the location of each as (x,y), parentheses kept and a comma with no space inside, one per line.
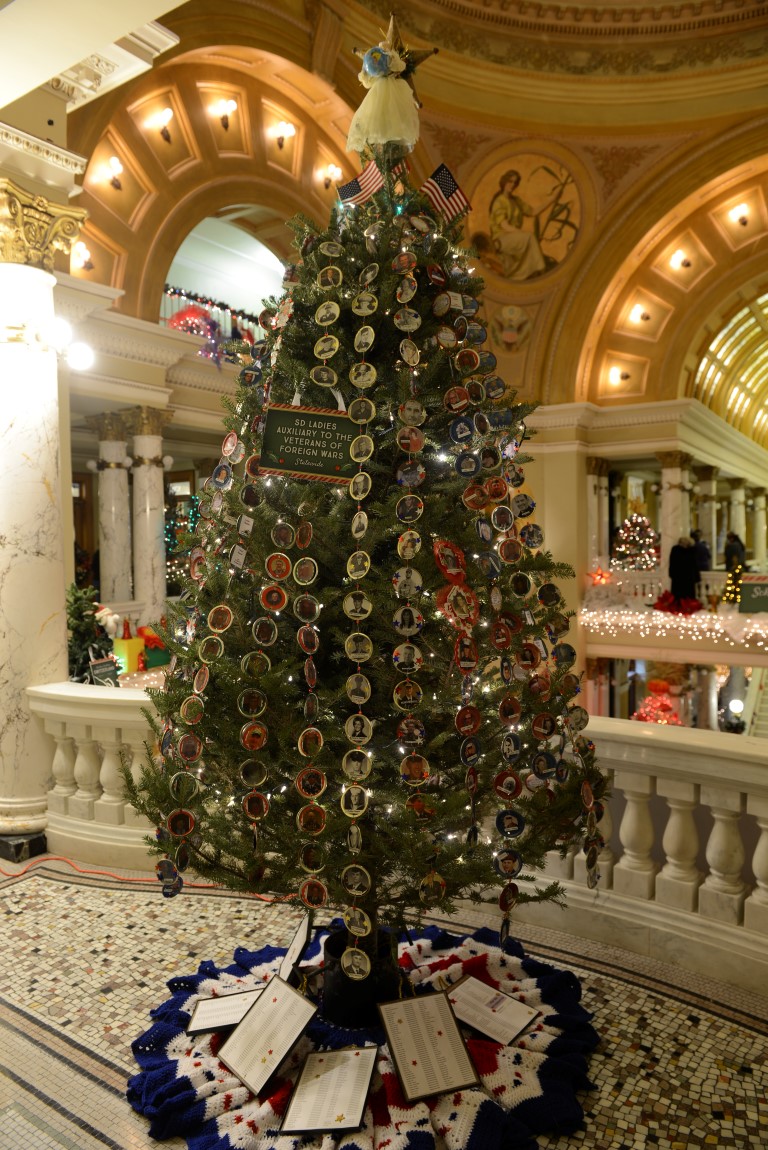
(527,1088)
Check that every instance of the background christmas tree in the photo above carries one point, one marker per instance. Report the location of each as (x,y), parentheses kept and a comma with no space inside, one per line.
(635,544)
(371,705)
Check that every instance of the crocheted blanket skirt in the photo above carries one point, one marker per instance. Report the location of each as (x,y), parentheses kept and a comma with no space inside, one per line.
(526,1089)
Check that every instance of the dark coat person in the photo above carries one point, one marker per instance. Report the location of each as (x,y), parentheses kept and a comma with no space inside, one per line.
(683,569)
(735,552)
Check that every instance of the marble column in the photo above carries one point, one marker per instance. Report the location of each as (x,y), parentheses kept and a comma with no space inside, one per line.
(675,502)
(114,508)
(33,624)
(706,699)
(758,530)
(737,518)
(706,477)
(598,512)
(33,621)
(146,425)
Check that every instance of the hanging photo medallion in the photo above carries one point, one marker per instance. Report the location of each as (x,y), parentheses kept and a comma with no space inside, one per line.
(313,893)
(408,621)
(368,274)
(412,412)
(327,313)
(264,630)
(465,653)
(356,880)
(407,582)
(183,786)
(355,963)
(456,399)
(273,597)
(304,572)
(450,560)
(358,688)
(406,290)
(210,648)
(180,823)
(532,535)
(200,681)
(408,544)
(323,376)
(253,736)
(306,608)
(357,605)
(357,921)
(507,784)
(220,618)
(510,709)
(411,731)
(310,782)
(409,509)
(407,695)
(365,303)
(253,773)
(360,486)
(410,352)
(278,565)
(312,857)
(407,658)
(326,347)
(361,410)
(192,709)
(256,806)
(251,702)
(364,339)
(308,639)
(358,564)
(354,800)
(311,819)
(255,663)
(310,673)
(475,496)
(468,720)
(414,769)
(356,764)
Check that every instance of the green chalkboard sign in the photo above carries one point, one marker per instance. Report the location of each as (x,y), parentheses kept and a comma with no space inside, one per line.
(754,594)
(308,443)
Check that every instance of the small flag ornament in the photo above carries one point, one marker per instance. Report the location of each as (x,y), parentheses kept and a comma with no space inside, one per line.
(445,195)
(360,189)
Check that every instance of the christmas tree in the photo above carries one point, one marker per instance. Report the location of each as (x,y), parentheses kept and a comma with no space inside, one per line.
(371,704)
(657,706)
(732,589)
(635,545)
(181,516)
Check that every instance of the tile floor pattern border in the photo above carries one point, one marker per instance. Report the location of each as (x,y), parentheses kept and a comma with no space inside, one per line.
(683,1060)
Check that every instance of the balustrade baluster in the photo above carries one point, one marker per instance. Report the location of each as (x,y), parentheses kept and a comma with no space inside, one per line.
(86,771)
(62,767)
(109,808)
(635,873)
(677,884)
(756,906)
(722,894)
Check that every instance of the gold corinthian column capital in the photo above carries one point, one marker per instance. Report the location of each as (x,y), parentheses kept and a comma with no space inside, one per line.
(33,229)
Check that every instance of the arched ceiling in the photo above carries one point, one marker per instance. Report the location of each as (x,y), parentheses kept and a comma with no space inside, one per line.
(664,92)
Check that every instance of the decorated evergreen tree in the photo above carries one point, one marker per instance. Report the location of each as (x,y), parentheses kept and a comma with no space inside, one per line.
(732,589)
(372,705)
(87,639)
(658,706)
(635,545)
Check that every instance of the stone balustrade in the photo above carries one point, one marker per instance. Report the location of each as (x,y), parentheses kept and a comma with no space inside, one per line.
(684,870)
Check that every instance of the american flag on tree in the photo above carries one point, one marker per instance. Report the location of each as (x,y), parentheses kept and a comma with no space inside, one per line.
(360,189)
(445,195)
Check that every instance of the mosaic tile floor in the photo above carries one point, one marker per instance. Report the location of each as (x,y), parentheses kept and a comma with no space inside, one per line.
(682,1062)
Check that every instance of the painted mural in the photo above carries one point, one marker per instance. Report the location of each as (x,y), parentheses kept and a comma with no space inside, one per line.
(526,217)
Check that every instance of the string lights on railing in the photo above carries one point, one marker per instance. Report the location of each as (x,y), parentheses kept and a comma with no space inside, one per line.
(729,629)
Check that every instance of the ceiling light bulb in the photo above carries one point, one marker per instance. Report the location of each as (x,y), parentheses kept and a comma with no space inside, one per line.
(638,314)
(679,260)
(80,356)
(739,214)
(284,131)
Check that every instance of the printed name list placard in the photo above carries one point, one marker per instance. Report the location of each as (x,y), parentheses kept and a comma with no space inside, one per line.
(427,1047)
(490,1011)
(331,1092)
(272,1026)
(222,1011)
(307,443)
(297,946)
